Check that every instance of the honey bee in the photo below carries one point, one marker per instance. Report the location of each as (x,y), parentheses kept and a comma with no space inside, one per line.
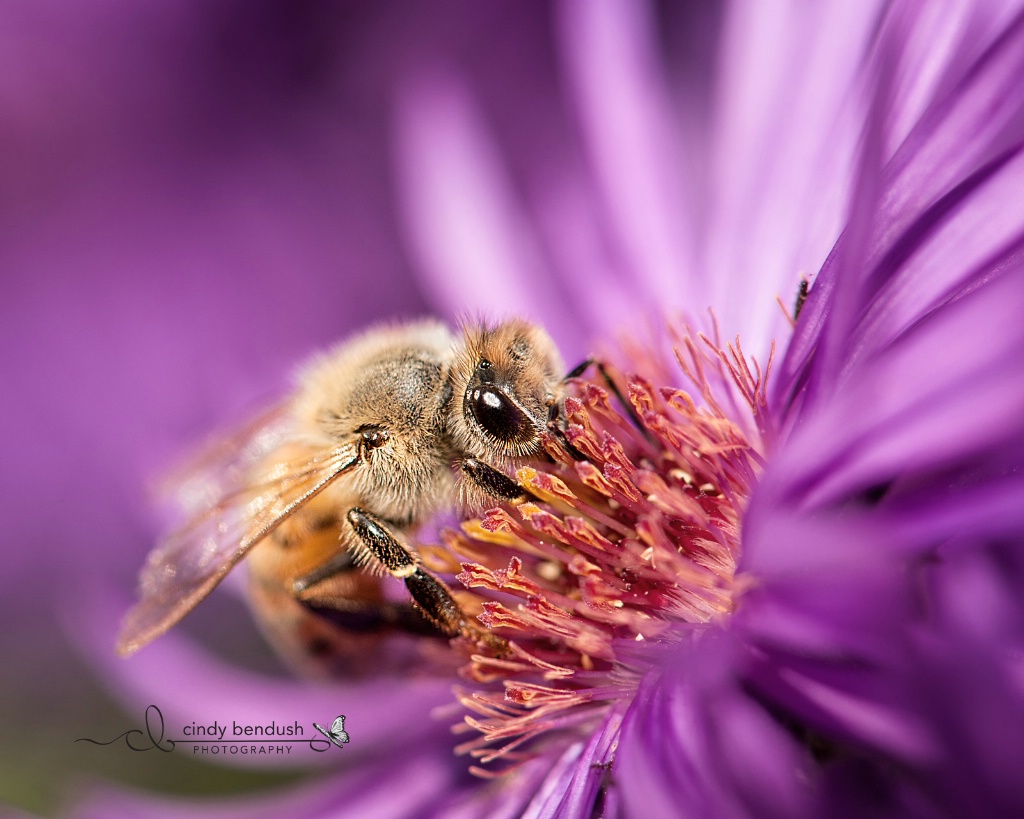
(367,448)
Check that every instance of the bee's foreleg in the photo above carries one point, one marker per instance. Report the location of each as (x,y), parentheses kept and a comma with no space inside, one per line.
(342,562)
(430,594)
(496,484)
(555,409)
(555,429)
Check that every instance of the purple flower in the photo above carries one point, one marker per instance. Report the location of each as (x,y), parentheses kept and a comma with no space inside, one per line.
(791,585)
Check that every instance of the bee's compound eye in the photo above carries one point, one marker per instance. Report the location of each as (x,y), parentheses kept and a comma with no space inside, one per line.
(499,415)
(374,437)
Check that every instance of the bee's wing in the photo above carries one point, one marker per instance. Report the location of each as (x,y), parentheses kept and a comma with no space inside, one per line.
(224,464)
(189,563)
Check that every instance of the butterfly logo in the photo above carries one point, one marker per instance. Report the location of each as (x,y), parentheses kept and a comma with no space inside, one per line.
(337,733)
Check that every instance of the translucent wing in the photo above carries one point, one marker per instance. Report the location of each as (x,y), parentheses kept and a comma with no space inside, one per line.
(190,563)
(225,464)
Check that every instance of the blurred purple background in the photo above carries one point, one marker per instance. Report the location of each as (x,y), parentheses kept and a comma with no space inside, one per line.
(193,196)
(196,194)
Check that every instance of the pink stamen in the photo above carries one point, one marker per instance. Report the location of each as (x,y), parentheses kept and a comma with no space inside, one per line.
(634,545)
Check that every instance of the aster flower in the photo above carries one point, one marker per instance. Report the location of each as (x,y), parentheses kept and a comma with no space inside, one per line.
(757,581)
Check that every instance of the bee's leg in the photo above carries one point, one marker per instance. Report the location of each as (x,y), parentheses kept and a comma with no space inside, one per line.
(579,369)
(496,484)
(555,429)
(341,562)
(430,594)
(347,610)
(371,618)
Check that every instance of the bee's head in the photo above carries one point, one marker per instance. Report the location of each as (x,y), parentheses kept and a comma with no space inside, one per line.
(503,379)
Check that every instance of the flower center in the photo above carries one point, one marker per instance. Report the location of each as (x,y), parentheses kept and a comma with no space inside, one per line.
(632,546)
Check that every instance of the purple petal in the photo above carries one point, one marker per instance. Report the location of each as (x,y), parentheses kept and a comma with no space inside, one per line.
(929,225)
(693,743)
(611,56)
(788,110)
(969,675)
(582,782)
(386,788)
(474,240)
(922,455)
(951,390)
(382,712)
